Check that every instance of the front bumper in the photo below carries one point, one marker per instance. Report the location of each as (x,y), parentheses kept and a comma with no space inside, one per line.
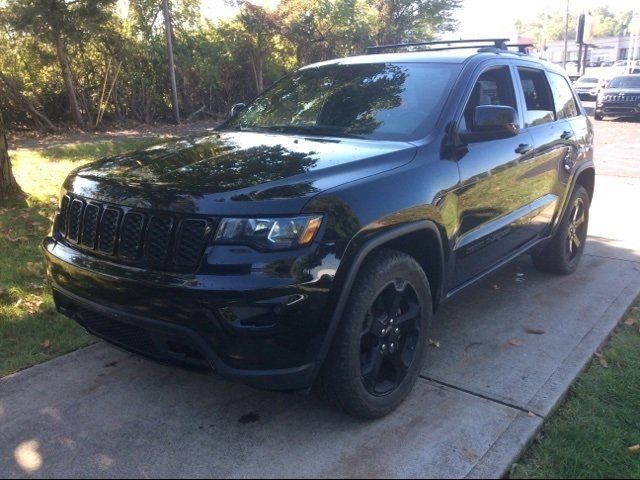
(260,330)
(618,109)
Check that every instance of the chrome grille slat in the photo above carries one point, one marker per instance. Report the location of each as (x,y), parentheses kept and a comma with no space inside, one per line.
(621,98)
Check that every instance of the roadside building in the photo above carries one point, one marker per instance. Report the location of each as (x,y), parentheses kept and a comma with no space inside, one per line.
(607,49)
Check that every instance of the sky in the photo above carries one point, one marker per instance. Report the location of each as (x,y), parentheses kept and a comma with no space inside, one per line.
(496,18)
(478,18)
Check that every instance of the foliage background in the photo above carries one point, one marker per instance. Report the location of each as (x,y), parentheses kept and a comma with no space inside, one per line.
(116,52)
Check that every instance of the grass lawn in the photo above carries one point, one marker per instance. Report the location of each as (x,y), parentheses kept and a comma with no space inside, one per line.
(31,331)
(590,435)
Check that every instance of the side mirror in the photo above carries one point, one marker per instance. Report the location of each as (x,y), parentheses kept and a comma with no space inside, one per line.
(237,108)
(492,122)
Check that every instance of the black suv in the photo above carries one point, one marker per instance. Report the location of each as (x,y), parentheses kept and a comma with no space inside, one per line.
(309,240)
(621,98)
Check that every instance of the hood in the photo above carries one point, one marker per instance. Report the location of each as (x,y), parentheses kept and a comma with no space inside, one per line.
(235,172)
(586,86)
(621,91)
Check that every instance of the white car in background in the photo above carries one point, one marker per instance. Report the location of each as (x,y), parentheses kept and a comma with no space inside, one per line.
(587,87)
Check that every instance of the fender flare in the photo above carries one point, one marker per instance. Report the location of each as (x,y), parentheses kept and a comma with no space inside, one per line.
(571,187)
(350,278)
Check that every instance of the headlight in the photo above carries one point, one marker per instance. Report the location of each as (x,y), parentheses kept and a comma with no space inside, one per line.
(269,233)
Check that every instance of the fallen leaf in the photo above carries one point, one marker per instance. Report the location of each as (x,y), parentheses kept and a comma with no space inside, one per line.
(470,454)
(434,343)
(495,287)
(531,414)
(630,322)
(16,240)
(46,345)
(516,342)
(534,331)
(18,303)
(634,449)
(603,361)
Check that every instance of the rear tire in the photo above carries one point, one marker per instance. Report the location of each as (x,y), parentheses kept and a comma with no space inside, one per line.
(563,252)
(378,348)
(598,117)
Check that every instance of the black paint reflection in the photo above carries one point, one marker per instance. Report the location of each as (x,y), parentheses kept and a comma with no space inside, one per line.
(376,100)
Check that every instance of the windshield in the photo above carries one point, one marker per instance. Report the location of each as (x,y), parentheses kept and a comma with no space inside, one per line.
(588,80)
(399,101)
(625,82)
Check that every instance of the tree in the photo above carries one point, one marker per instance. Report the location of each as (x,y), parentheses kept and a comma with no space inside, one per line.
(550,26)
(168,31)
(9,188)
(58,22)
(260,28)
(408,20)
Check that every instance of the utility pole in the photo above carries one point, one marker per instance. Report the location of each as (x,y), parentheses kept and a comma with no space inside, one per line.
(566,38)
(168,30)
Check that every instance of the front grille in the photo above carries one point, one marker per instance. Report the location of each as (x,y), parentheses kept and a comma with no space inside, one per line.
(132,236)
(187,245)
(621,98)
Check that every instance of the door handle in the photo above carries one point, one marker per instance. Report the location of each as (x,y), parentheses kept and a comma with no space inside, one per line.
(566,135)
(524,148)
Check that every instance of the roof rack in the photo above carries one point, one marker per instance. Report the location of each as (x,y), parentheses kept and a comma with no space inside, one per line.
(496,45)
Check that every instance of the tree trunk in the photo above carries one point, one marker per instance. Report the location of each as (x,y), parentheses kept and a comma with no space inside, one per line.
(67,77)
(9,188)
(12,90)
(168,29)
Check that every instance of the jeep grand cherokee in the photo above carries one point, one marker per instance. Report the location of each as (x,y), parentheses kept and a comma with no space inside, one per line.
(310,239)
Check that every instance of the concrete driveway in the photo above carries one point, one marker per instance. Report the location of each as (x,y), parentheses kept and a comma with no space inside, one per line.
(508,350)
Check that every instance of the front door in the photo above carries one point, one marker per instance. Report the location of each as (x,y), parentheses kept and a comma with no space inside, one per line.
(494,199)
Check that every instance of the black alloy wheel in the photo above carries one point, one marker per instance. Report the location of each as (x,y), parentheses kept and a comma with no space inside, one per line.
(389,338)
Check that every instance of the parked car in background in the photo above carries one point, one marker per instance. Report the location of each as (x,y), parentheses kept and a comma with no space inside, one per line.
(587,87)
(309,240)
(620,98)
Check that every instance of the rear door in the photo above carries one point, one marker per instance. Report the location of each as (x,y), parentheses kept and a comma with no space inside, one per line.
(553,138)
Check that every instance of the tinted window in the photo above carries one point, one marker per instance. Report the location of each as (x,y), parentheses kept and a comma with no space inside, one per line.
(537,96)
(625,82)
(563,97)
(378,101)
(494,87)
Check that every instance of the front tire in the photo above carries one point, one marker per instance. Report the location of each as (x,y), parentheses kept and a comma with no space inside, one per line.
(378,349)
(563,252)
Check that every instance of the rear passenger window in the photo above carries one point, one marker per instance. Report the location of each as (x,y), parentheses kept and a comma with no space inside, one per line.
(563,97)
(537,96)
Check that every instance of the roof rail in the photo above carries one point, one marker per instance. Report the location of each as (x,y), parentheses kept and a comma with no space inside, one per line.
(499,43)
(496,45)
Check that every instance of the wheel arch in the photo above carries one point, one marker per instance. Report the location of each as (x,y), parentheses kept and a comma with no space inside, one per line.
(587,178)
(422,239)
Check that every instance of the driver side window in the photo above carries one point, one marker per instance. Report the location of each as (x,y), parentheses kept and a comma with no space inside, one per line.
(494,87)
